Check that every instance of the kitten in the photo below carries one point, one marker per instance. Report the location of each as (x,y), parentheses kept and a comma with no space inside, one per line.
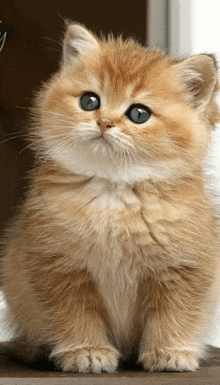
(115,252)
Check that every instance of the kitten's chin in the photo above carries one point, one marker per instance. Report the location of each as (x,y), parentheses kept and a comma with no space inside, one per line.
(104,163)
(100,145)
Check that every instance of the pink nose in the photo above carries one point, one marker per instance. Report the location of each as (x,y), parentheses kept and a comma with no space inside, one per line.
(105,123)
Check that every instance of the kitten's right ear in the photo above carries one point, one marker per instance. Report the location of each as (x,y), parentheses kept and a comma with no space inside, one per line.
(77,41)
(199,76)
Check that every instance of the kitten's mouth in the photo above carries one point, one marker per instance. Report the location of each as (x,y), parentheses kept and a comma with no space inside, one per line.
(102,141)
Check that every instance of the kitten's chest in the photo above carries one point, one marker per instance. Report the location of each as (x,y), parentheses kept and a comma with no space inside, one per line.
(113,224)
(118,208)
(119,291)
(131,219)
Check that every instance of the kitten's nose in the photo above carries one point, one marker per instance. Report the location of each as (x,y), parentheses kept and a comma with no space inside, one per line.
(105,123)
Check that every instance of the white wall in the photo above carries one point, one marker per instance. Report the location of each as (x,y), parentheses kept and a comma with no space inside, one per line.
(195,28)
(156,24)
(4,333)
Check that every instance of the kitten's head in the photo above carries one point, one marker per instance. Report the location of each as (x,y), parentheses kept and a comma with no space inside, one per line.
(121,111)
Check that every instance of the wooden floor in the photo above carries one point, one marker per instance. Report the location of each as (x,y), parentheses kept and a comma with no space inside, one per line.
(12,372)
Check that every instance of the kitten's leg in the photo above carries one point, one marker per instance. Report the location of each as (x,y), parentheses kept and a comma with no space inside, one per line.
(80,325)
(172,320)
(25,349)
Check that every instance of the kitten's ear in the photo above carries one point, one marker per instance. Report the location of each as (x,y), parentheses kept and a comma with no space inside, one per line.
(78,40)
(199,76)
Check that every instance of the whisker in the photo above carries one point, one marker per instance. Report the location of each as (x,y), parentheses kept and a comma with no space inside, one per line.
(67,142)
(60,145)
(129,156)
(53,49)
(22,132)
(25,148)
(55,41)
(13,137)
(65,21)
(145,152)
(62,118)
(125,158)
(57,114)
(135,156)
(130,151)
(121,158)
(23,108)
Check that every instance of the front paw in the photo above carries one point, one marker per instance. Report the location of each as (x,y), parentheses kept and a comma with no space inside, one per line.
(177,361)
(89,359)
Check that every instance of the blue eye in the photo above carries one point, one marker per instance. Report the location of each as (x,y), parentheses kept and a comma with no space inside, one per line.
(89,101)
(138,113)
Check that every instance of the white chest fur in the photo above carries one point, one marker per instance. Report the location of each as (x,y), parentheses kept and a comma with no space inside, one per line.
(114,270)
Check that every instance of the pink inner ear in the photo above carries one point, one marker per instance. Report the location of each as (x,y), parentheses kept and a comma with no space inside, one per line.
(199,76)
(78,40)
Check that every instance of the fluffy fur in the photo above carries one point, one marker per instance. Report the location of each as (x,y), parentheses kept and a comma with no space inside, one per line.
(115,251)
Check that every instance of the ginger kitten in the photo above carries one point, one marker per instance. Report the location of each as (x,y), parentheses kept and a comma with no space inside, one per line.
(115,251)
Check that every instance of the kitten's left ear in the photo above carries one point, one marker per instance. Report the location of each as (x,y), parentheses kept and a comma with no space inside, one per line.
(77,41)
(199,76)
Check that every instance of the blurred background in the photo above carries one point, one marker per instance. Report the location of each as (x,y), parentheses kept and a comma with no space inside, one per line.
(30,35)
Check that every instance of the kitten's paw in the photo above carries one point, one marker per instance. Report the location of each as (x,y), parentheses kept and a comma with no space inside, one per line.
(90,359)
(177,361)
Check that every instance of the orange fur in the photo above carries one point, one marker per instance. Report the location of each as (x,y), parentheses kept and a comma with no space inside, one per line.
(115,251)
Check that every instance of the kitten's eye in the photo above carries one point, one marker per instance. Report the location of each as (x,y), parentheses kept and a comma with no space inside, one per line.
(89,101)
(138,113)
